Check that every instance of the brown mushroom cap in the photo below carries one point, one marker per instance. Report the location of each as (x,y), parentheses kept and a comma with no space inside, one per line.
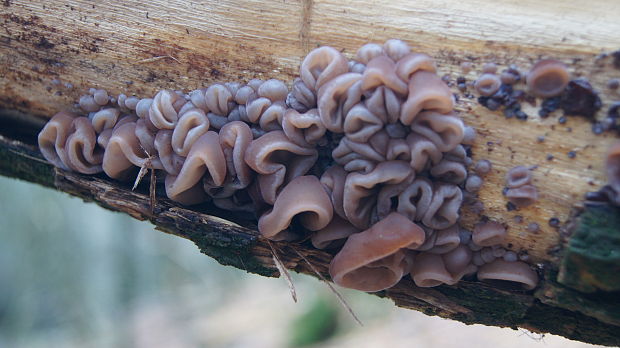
(415,200)
(336,97)
(547,78)
(171,161)
(380,71)
(192,124)
(278,160)
(412,63)
(303,129)
(429,270)
(518,176)
(445,131)
(372,260)
(321,65)
(205,157)
(332,235)
(105,119)
(124,153)
(426,92)
(83,154)
(53,137)
(333,180)
(423,151)
(447,240)
(163,112)
(314,210)
(443,211)
(518,273)
(360,190)
(360,124)
(487,84)
(522,196)
(489,233)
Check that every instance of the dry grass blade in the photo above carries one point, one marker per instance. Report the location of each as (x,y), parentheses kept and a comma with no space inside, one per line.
(331,287)
(283,271)
(152,195)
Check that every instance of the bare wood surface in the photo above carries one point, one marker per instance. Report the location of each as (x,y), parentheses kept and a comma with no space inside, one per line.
(138,47)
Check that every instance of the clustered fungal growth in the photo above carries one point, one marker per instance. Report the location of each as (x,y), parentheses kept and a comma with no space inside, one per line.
(521,192)
(366,157)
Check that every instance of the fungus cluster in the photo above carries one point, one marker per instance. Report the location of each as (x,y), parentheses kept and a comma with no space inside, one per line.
(365,155)
(520,190)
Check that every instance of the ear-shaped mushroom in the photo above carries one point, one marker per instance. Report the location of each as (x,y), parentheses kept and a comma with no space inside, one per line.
(518,176)
(274,90)
(445,131)
(398,149)
(489,233)
(515,273)
(547,78)
(105,119)
(303,129)
(449,171)
(612,166)
(143,107)
(447,240)
(360,124)
(278,160)
(104,137)
(412,63)
(384,103)
(429,270)
(387,198)
(333,180)
(88,104)
(235,138)
(205,157)
(314,210)
(415,200)
(322,65)
(219,99)
(53,137)
(360,192)
(163,112)
(334,234)
(487,84)
(301,98)
(522,196)
(423,151)
(192,124)
(444,208)
(271,118)
(459,262)
(124,152)
(336,98)
(372,261)
(145,132)
(374,149)
(426,92)
(396,49)
(171,161)
(369,51)
(83,155)
(380,71)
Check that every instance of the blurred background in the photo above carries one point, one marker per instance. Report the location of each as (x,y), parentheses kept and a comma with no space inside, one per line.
(75,275)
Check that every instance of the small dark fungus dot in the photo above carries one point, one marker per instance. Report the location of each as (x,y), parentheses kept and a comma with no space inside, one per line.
(510,206)
(562,119)
(540,139)
(533,227)
(550,157)
(580,99)
(613,84)
(554,222)
(572,154)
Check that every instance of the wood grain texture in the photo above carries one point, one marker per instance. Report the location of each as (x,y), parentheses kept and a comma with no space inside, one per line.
(139,47)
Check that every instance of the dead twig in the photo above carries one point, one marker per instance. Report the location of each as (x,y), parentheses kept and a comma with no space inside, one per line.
(283,271)
(331,287)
